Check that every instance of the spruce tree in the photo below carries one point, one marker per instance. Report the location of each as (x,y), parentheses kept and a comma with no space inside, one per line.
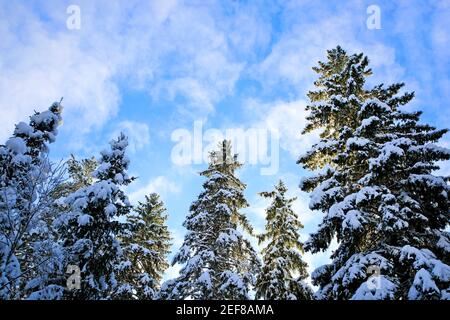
(283,272)
(218,262)
(80,175)
(377,189)
(147,248)
(91,227)
(28,252)
(50,256)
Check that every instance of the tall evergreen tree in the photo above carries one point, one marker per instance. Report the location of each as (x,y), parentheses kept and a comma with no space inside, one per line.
(91,227)
(219,263)
(50,279)
(27,251)
(282,255)
(382,202)
(81,174)
(147,248)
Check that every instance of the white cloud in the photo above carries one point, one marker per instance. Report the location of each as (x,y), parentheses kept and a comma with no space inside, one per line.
(137,133)
(41,63)
(257,209)
(167,48)
(160,185)
(305,42)
(289,120)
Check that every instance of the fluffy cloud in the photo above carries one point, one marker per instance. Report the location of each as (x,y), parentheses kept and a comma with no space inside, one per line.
(177,52)
(160,185)
(288,118)
(306,41)
(40,64)
(138,134)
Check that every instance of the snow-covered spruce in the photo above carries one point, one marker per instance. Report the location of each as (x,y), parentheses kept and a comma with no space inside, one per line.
(218,262)
(29,254)
(382,202)
(282,254)
(146,247)
(90,227)
(81,174)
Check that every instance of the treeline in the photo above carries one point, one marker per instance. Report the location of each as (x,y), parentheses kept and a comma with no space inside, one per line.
(68,230)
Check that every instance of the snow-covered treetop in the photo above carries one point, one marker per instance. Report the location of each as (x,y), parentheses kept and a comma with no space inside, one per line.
(41,130)
(218,261)
(284,270)
(376,187)
(30,139)
(113,163)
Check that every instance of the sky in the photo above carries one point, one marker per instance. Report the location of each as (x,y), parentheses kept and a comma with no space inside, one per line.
(172,74)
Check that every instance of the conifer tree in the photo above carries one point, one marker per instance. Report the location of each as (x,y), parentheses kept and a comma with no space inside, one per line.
(377,189)
(147,247)
(80,175)
(50,278)
(218,262)
(90,227)
(27,252)
(282,255)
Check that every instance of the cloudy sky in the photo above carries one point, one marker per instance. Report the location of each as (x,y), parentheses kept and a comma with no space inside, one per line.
(152,68)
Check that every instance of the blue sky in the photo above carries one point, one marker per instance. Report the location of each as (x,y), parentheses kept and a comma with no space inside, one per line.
(150,68)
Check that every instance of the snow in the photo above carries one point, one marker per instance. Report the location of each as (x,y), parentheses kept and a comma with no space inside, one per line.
(205,280)
(419,257)
(84,219)
(327,189)
(16,145)
(353,220)
(374,102)
(23,128)
(26,197)
(428,179)
(338,209)
(111,209)
(366,194)
(423,285)
(367,122)
(444,243)
(231,280)
(51,292)
(44,117)
(103,167)
(355,270)
(321,146)
(223,208)
(440,270)
(118,178)
(226,237)
(320,272)
(224,193)
(375,288)
(325,144)
(387,152)
(359,142)
(431,147)
(80,203)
